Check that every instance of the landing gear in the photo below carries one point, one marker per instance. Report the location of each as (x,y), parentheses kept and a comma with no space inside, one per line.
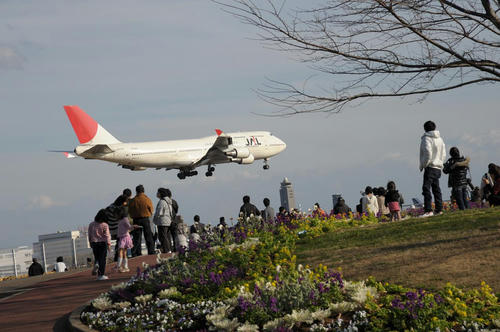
(210,171)
(183,174)
(266,165)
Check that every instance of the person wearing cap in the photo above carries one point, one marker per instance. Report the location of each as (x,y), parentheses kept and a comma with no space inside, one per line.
(163,219)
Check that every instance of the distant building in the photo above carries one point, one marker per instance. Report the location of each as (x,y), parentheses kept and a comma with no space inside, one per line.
(73,246)
(286,195)
(15,261)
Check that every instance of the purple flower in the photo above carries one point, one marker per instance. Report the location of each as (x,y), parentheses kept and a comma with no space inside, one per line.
(411,296)
(438,299)
(274,304)
(257,292)
(187,282)
(243,304)
(396,303)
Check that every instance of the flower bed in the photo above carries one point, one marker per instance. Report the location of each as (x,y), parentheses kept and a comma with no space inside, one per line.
(247,280)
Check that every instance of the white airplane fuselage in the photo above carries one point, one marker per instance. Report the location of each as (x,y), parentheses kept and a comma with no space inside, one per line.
(182,153)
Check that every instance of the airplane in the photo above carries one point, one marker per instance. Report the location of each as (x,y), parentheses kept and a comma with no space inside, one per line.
(185,155)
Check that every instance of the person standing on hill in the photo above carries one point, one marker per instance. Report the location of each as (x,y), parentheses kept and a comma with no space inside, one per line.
(341,207)
(383,209)
(494,197)
(392,199)
(369,203)
(432,156)
(248,208)
(141,209)
(457,167)
(268,212)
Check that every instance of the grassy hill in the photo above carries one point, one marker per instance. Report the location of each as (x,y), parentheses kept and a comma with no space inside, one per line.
(460,247)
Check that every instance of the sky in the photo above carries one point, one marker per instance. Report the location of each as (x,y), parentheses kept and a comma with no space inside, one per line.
(161,70)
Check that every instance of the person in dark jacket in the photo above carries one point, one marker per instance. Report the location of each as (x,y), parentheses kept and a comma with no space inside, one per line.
(341,207)
(248,208)
(392,201)
(494,197)
(35,269)
(457,167)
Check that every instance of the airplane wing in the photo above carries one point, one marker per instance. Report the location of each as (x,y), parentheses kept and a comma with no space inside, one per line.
(216,152)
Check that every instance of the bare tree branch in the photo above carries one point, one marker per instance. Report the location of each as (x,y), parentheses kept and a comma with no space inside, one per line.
(376,48)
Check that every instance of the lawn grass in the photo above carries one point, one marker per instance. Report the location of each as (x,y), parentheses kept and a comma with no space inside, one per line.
(460,247)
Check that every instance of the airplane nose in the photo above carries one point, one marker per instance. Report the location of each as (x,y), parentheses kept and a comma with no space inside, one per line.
(283,144)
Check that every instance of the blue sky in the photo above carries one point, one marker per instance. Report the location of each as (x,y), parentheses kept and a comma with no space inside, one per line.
(161,70)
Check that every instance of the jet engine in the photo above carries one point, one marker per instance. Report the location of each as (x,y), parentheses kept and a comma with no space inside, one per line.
(240,153)
(244,161)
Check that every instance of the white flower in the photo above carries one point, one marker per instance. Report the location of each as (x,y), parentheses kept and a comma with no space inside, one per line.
(272,324)
(143,298)
(119,286)
(122,305)
(102,303)
(251,215)
(278,268)
(343,307)
(321,315)
(247,327)
(145,265)
(300,268)
(359,292)
(218,314)
(166,293)
(300,316)
(269,286)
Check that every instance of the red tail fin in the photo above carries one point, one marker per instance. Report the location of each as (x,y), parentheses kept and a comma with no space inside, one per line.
(84,126)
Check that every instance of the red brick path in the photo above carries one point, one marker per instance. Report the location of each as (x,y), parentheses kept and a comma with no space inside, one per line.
(39,308)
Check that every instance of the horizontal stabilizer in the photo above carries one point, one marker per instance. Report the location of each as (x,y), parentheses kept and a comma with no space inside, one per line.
(67,154)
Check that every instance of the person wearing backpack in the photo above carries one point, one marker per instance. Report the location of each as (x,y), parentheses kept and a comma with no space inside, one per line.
(163,220)
(457,167)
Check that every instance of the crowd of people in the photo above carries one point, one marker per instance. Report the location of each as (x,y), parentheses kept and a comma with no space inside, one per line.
(128,219)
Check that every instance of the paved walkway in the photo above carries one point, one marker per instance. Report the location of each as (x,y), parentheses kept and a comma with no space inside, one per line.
(43,301)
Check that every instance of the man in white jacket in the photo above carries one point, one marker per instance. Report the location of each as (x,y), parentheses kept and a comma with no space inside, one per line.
(432,157)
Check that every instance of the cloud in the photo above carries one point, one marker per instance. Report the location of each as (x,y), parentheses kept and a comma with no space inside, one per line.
(492,137)
(10,59)
(44,202)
